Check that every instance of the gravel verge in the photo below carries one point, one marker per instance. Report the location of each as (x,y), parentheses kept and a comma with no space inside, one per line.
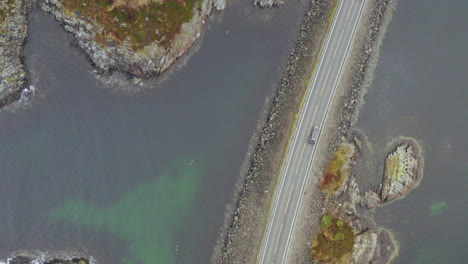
(246,219)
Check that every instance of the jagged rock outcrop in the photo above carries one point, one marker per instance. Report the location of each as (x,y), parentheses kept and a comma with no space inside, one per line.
(402,172)
(13,33)
(268,3)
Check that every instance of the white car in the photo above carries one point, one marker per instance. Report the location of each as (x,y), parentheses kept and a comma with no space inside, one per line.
(314,135)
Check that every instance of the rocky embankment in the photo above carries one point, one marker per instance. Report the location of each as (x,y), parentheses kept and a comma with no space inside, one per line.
(13,33)
(268,3)
(128,38)
(360,67)
(245,221)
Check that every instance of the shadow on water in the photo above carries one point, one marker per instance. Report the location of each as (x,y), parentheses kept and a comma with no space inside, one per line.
(97,159)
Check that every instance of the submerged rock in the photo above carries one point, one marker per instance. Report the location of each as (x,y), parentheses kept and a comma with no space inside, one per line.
(13,32)
(402,171)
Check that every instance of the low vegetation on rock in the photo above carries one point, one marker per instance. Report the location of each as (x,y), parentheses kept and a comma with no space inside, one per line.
(335,241)
(402,171)
(141,22)
(337,170)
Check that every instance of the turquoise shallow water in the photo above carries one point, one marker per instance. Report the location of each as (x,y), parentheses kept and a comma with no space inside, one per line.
(92,170)
(147,216)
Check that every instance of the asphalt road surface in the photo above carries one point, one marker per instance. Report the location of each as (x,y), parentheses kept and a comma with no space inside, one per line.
(300,157)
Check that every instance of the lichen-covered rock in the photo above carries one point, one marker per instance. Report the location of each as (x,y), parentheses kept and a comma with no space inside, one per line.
(371,199)
(13,32)
(365,247)
(137,38)
(268,3)
(402,171)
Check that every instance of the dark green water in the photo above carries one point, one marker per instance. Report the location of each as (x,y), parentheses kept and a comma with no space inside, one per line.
(141,178)
(420,90)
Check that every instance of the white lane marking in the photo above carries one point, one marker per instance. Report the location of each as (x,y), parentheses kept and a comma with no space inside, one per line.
(287,204)
(279,236)
(311,123)
(323,120)
(290,151)
(300,158)
(325,82)
(315,112)
(350,8)
(338,45)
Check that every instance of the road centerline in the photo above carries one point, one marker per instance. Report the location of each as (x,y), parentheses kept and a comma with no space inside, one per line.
(326,80)
(289,199)
(338,45)
(279,236)
(350,8)
(300,158)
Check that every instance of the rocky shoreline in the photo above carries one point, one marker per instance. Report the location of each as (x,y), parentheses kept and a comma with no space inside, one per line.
(108,56)
(33,257)
(245,221)
(13,33)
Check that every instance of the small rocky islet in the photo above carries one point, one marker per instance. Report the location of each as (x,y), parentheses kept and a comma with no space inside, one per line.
(347,232)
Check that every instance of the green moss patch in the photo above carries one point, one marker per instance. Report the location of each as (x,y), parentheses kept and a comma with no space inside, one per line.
(335,241)
(141,24)
(337,170)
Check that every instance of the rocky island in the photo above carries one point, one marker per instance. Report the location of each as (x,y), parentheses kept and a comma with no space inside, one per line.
(135,38)
(139,38)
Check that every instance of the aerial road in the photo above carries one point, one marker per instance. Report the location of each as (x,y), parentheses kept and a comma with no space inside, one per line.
(299,159)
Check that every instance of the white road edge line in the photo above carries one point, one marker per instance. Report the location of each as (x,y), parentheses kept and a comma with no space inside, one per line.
(265,238)
(323,120)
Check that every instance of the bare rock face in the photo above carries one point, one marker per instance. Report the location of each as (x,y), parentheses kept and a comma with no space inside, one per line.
(402,171)
(371,199)
(121,55)
(365,247)
(13,32)
(268,3)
